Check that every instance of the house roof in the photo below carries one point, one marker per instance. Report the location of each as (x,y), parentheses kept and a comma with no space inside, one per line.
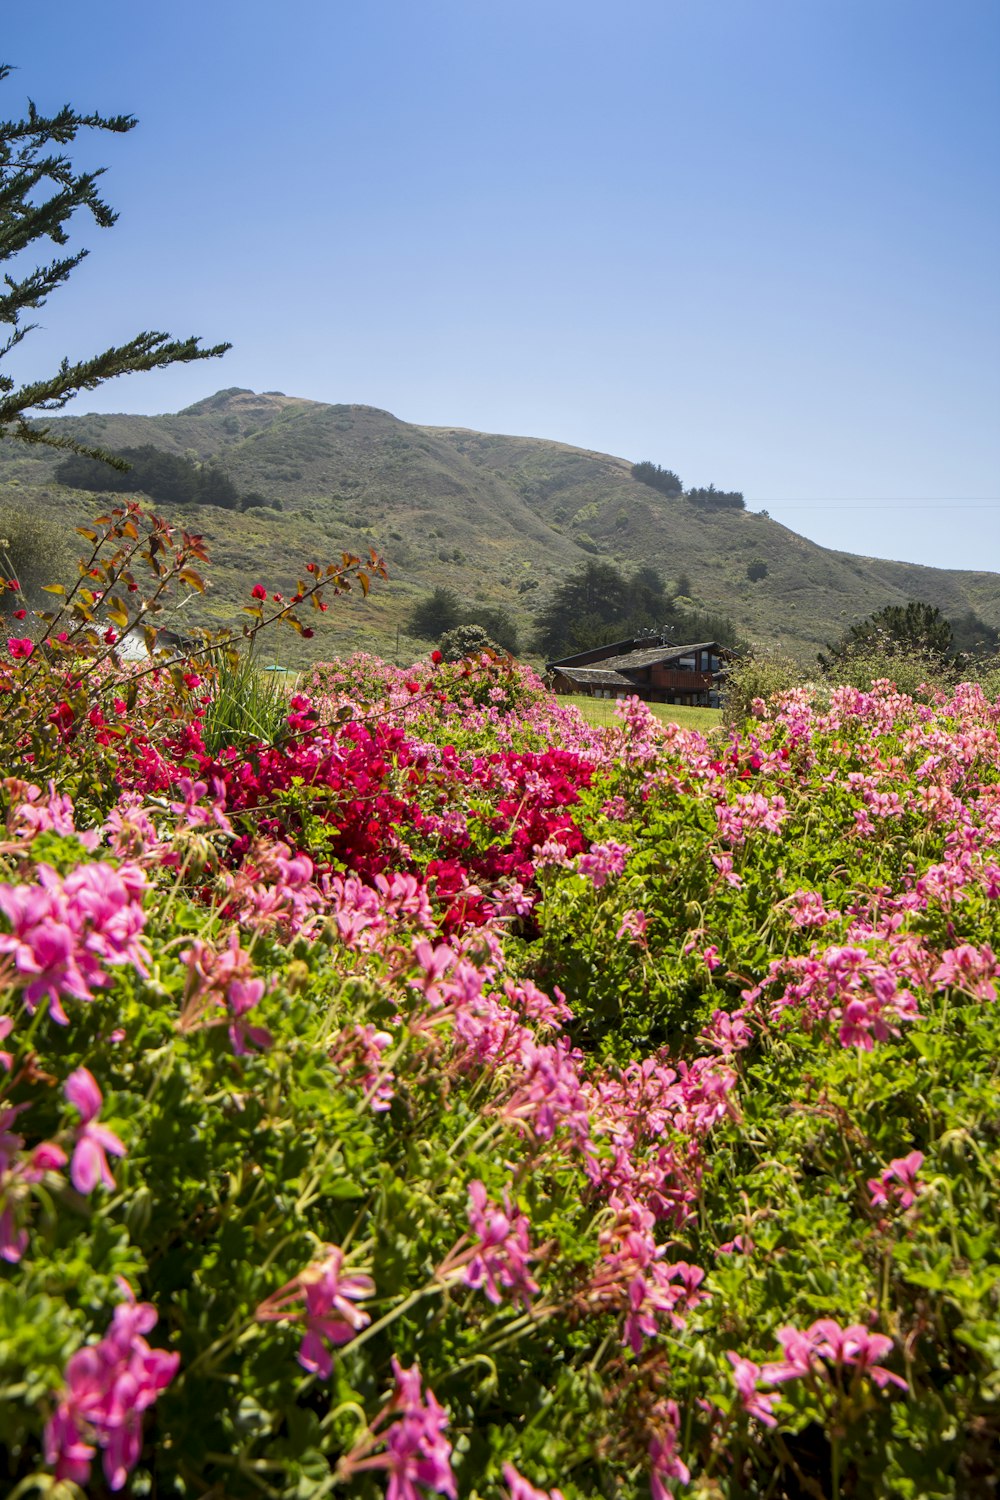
(594,677)
(648,656)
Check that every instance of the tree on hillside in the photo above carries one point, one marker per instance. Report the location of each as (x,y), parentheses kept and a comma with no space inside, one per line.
(431,617)
(167,478)
(40,193)
(971,636)
(664,480)
(596,603)
(712,499)
(895,630)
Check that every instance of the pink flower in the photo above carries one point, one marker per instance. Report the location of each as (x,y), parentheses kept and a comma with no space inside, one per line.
(108,1386)
(665,1461)
(329,1313)
(241,996)
(502,1249)
(633,925)
(745,1377)
(602,862)
(897,1182)
(20,648)
(854,1347)
(416,1450)
(520,1489)
(89,1165)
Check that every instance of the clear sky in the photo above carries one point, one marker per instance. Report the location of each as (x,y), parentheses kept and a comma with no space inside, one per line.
(756,241)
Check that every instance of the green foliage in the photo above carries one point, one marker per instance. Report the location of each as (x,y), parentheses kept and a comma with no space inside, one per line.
(40,195)
(897,629)
(433,615)
(758,675)
(598,603)
(466,640)
(254,500)
(33,551)
(757,569)
(167,478)
(919,673)
(712,499)
(972,637)
(498,624)
(664,480)
(246,705)
(440,612)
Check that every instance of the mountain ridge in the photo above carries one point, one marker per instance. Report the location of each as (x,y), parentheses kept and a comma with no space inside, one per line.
(501,519)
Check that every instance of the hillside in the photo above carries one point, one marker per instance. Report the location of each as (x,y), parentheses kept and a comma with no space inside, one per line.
(498,519)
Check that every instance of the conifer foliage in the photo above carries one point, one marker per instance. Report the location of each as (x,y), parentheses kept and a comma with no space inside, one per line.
(41,192)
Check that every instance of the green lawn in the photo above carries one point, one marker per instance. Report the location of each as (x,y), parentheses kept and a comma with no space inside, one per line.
(601,711)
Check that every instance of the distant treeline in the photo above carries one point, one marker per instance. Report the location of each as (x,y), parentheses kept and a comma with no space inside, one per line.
(167,478)
(668,483)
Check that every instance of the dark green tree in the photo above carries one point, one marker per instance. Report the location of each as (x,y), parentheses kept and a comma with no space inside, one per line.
(40,194)
(664,480)
(895,630)
(497,623)
(438,612)
(597,603)
(971,636)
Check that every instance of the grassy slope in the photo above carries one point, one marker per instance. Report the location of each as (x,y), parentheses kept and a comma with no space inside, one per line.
(499,519)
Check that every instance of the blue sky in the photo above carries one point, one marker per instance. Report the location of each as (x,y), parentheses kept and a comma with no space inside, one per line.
(756,241)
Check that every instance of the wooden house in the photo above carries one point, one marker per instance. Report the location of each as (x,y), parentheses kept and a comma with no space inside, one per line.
(646,667)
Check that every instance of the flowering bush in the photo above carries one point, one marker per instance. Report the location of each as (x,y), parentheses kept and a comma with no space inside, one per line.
(443,1097)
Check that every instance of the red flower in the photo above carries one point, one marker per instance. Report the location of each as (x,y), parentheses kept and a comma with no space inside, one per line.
(258,591)
(20,648)
(110,636)
(19,614)
(436,657)
(308,634)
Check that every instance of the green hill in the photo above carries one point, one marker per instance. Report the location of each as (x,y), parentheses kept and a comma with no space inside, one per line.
(500,520)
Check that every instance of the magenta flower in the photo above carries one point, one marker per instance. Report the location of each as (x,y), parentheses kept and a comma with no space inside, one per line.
(603,862)
(520,1489)
(502,1249)
(89,1165)
(416,1451)
(897,1183)
(745,1377)
(241,996)
(855,1348)
(665,1461)
(329,1312)
(108,1386)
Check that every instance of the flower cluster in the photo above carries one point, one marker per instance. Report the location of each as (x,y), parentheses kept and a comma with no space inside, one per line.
(108,1387)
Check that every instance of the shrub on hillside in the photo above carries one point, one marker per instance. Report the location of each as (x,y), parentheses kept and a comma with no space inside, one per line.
(919,673)
(33,552)
(467,640)
(760,675)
